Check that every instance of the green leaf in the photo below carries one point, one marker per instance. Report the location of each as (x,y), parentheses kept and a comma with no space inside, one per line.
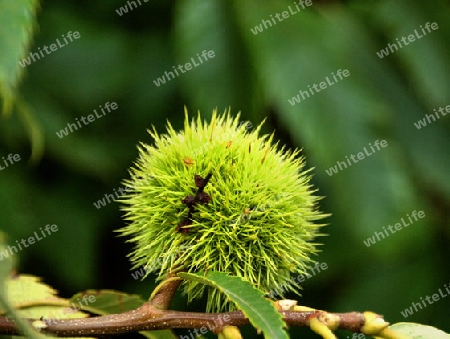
(17,18)
(159,334)
(33,299)
(6,265)
(261,312)
(34,130)
(418,331)
(112,302)
(191,19)
(107,301)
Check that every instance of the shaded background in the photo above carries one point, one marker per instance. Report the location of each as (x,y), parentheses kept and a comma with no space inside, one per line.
(118,57)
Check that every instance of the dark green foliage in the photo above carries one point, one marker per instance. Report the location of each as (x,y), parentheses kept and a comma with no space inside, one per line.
(117,58)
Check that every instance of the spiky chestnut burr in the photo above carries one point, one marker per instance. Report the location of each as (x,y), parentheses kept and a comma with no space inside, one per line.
(219,197)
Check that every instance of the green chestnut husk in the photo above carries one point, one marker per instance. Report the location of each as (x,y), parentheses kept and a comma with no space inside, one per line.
(218,196)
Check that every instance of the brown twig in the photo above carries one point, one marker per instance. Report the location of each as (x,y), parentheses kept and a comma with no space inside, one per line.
(148,317)
(162,297)
(154,315)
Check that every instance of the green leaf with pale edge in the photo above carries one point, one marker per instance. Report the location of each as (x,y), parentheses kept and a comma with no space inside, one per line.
(112,302)
(17,23)
(33,299)
(159,334)
(107,301)
(6,266)
(261,312)
(418,331)
(17,18)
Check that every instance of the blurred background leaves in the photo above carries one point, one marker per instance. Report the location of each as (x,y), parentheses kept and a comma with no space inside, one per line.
(118,57)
